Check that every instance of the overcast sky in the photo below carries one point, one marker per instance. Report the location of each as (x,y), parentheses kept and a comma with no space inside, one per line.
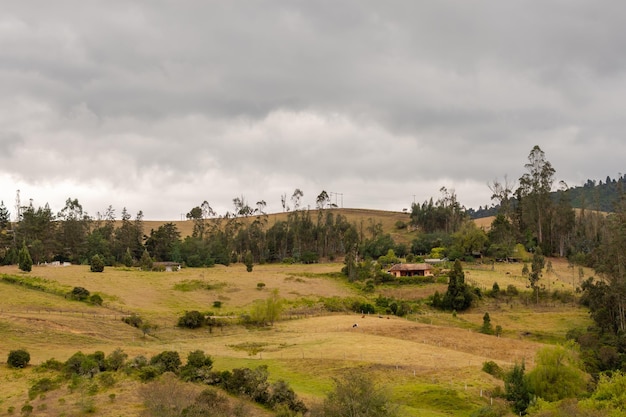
(160,105)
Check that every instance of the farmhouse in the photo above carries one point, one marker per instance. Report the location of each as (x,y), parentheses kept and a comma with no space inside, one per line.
(411,270)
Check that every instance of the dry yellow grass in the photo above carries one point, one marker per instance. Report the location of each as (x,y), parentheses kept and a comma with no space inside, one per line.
(307,352)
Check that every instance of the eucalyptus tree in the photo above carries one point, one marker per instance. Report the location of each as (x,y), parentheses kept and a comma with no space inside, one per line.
(534,193)
(73,230)
(37,229)
(129,236)
(163,244)
(322,200)
(296,198)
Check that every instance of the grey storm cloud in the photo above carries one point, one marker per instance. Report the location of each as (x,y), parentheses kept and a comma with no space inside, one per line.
(382,103)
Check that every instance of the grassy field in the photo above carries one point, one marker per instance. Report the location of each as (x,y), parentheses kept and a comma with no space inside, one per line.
(430,361)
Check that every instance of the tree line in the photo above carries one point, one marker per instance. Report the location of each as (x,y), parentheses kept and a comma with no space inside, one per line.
(74,236)
(528,215)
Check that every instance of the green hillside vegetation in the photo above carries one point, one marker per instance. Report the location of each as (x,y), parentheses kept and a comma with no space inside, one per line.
(294,313)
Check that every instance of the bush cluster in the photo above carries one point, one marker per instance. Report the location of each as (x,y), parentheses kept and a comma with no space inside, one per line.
(194,320)
(249,383)
(18,358)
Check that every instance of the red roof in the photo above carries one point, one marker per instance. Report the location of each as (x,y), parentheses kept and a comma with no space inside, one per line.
(410,267)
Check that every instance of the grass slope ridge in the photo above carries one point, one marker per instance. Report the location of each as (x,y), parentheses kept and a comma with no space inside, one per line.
(430,360)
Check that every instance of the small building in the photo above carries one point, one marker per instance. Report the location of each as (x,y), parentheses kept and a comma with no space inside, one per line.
(411,270)
(166,266)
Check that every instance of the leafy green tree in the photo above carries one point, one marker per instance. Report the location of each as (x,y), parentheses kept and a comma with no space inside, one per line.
(191,320)
(469,239)
(198,366)
(167,361)
(146,261)
(557,374)
(281,394)
(5,217)
(115,360)
(127,260)
(610,394)
(356,395)
(25,262)
(164,243)
(251,383)
(501,237)
(486,328)
(389,259)
(81,364)
(516,388)
(458,297)
(37,229)
(97,263)
(129,236)
(18,358)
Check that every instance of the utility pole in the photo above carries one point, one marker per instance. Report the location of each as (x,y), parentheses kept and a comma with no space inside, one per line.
(336,194)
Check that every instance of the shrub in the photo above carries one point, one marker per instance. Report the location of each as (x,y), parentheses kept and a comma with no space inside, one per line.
(283,395)
(18,358)
(191,320)
(25,262)
(81,364)
(492,368)
(250,383)
(134,320)
(248,261)
(97,263)
(79,293)
(146,261)
(95,299)
(309,257)
(363,308)
(149,372)
(27,409)
(356,394)
(511,290)
(115,360)
(198,367)
(50,365)
(40,386)
(168,361)
(106,379)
